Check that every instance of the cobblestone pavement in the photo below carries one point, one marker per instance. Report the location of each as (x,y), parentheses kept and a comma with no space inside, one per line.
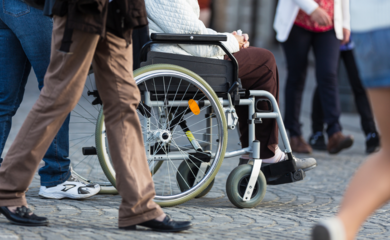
(287,211)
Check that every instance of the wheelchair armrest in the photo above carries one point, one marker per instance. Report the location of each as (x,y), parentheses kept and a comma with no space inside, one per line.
(188,37)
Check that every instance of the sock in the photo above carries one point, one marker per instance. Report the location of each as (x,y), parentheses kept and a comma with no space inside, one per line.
(279,156)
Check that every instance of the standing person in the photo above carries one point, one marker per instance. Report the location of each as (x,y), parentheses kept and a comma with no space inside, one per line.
(22,45)
(369,188)
(317,139)
(322,25)
(79,38)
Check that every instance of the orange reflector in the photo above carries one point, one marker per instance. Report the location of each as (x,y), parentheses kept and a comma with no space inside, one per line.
(193,106)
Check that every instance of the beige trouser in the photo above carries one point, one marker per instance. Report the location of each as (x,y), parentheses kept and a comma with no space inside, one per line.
(63,86)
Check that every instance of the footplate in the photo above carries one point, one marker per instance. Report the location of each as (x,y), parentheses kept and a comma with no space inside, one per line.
(282,172)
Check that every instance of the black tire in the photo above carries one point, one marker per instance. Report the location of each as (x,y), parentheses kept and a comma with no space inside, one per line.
(236,185)
(187,170)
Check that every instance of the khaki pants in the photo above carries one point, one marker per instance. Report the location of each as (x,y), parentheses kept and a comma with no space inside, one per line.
(64,83)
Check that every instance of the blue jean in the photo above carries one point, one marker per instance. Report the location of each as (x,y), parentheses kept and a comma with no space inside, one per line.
(25,40)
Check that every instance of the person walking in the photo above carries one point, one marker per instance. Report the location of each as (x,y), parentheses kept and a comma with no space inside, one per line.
(369,187)
(317,139)
(79,38)
(25,36)
(321,25)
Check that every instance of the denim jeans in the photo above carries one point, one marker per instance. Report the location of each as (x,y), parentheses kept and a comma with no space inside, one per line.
(25,41)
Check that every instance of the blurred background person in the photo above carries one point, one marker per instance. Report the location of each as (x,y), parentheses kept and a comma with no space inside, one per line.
(317,139)
(369,188)
(321,25)
(205,11)
(25,39)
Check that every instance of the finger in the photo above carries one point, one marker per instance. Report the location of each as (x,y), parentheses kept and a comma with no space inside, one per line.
(329,21)
(246,37)
(234,33)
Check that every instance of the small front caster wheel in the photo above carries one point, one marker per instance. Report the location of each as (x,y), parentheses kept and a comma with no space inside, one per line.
(186,177)
(238,181)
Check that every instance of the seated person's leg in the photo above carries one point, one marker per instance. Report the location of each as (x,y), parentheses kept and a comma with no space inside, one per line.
(258,71)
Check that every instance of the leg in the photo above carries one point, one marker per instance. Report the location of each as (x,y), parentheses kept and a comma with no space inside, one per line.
(36,43)
(369,188)
(317,115)
(361,100)
(258,71)
(120,95)
(13,76)
(327,51)
(296,49)
(317,139)
(64,83)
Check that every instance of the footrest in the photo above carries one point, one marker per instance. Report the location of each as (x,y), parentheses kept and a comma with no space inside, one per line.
(282,172)
(288,178)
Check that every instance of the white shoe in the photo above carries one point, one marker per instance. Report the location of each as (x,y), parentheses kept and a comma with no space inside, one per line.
(72,188)
(329,229)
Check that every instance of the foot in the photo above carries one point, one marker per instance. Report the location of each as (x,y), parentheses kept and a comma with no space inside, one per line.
(338,142)
(299,145)
(372,142)
(317,141)
(306,164)
(166,225)
(23,216)
(329,229)
(71,188)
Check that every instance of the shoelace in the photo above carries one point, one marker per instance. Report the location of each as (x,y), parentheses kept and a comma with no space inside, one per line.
(315,137)
(370,135)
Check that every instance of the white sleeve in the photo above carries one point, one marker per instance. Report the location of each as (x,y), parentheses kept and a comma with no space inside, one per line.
(177,16)
(308,6)
(346,14)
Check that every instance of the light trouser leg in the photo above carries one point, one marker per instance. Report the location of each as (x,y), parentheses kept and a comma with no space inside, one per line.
(120,95)
(64,82)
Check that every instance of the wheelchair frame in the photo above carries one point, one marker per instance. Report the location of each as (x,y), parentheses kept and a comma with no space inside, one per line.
(284,172)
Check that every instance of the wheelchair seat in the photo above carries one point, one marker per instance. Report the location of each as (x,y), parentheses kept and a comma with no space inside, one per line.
(217,73)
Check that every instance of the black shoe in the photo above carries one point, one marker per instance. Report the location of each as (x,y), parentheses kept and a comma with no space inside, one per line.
(317,141)
(372,142)
(167,225)
(23,217)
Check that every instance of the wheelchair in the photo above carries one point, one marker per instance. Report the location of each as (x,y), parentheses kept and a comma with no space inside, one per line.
(187,108)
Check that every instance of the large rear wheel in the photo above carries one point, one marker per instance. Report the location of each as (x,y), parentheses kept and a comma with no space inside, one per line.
(182,123)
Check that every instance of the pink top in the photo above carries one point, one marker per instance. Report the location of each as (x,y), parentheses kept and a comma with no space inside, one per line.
(303,20)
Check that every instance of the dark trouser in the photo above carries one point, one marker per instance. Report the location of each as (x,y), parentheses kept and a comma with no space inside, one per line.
(326,51)
(258,71)
(361,100)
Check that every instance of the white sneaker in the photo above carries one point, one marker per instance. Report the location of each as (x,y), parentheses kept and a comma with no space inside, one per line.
(72,188)
(329,229)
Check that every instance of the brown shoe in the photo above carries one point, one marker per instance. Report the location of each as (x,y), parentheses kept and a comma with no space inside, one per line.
(299,145)
(338,142)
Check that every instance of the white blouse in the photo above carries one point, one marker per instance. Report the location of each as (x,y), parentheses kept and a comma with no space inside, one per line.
(287,11)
